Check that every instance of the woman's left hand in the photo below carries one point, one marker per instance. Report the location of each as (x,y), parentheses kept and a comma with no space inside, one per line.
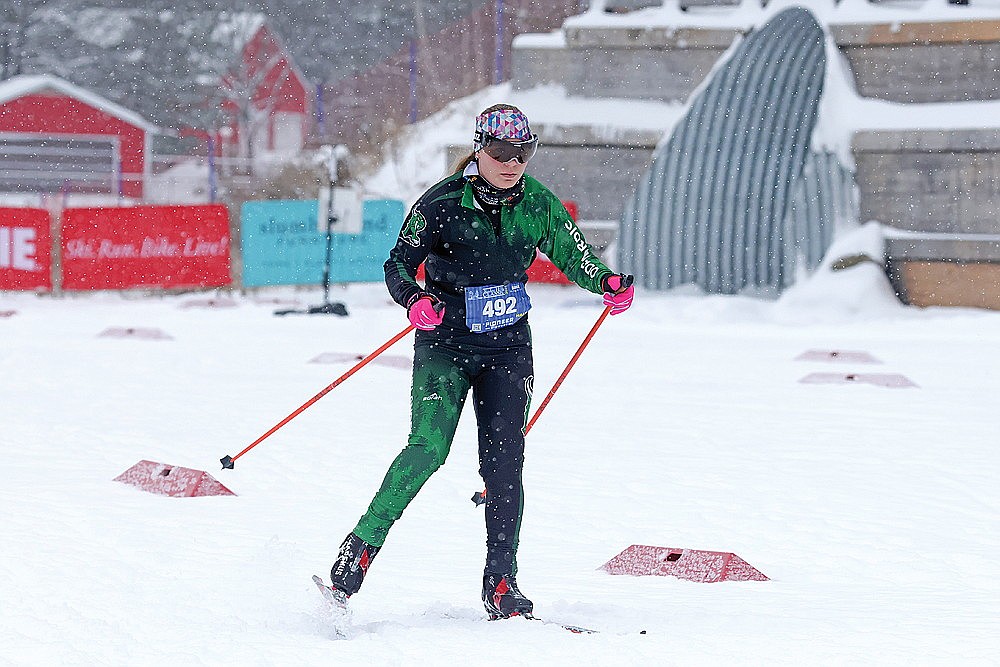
(618,292)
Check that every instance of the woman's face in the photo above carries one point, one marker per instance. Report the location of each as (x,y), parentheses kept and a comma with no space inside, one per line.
(501,175)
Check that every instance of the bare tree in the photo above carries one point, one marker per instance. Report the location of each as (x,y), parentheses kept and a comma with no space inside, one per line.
(16,19)
(251,84)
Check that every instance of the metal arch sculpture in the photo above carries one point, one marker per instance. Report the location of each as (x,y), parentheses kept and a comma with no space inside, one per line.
(713,207)
(825,196)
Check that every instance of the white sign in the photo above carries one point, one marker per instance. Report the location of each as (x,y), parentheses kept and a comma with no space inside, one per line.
(347,205)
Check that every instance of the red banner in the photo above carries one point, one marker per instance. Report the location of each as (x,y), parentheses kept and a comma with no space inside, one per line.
(25,249)
(542,270)
(145,246)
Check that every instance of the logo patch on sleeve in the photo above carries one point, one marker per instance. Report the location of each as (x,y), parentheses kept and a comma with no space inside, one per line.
(415,225)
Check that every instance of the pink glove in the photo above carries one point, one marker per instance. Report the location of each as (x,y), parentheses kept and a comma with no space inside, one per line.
(426,312)
(618,292)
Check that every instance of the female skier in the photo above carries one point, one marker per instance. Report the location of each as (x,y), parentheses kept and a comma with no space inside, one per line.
(476,233)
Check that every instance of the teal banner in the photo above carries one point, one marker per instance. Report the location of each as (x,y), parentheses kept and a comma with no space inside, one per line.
(282,244)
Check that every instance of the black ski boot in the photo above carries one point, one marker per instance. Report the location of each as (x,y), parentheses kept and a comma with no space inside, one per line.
(502,598)
(352,564)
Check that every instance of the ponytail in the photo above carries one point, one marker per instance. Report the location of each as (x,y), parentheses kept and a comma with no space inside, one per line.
(462,163)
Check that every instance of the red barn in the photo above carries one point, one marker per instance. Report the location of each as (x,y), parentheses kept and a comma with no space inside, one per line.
(268,99)
(57,137)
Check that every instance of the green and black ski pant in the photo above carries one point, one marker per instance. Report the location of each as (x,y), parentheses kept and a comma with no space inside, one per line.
(498,367)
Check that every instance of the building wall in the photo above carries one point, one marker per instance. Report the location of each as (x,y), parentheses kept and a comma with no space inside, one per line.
(940,181)
(937,189)
(653,64)
(924,62)
(597,172)
(939,192)
(281,88)
(59,115)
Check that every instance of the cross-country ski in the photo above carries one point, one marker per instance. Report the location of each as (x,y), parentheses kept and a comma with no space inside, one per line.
(340,614)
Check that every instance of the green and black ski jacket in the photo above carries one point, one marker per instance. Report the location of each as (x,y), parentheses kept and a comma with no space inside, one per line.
(448,231)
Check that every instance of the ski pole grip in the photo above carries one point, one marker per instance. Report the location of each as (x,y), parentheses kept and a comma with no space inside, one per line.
(479,497)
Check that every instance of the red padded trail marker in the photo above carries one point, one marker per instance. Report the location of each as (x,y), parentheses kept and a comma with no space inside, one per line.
(217,302)
(168,480)
(392,361)
(640,560)
(145,333)
(891,380)
(846,356)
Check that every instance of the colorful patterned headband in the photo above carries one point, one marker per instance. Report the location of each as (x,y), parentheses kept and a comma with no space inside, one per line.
(507,124)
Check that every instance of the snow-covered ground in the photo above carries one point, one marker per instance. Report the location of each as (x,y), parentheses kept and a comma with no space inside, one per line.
(874,511)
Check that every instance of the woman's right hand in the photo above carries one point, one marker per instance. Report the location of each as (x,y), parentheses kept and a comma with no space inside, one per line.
(426,312)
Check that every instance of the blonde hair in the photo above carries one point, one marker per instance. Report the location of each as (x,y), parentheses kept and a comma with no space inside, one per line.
(463,162)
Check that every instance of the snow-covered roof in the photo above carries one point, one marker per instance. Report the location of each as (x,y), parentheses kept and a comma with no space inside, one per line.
(27,84)
(238,28)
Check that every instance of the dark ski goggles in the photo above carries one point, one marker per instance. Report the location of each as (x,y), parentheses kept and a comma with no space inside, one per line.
(502,150)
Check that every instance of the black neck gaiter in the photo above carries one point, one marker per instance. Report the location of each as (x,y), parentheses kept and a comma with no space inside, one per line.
(486,193)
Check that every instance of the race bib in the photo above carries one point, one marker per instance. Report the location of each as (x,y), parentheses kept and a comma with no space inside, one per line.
(491,307)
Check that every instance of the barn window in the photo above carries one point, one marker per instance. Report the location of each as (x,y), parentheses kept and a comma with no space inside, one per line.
(30,163)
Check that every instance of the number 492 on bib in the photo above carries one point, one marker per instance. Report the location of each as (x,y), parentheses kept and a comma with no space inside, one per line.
(491,307)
